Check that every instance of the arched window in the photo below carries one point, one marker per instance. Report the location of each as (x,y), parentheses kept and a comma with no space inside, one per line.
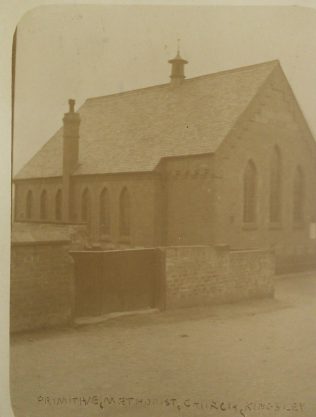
(250,191)
(58,205)
(29,204)
(275,187)
(124,213)
(86,206)
(298,196)
(43,205)
(105,219)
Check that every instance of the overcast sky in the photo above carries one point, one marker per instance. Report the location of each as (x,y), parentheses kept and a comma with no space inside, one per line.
(85,51)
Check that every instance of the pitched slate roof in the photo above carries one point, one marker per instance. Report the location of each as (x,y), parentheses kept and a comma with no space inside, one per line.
(132,131)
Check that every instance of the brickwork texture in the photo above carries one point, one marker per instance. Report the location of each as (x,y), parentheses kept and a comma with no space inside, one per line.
(201,275)
(41,285)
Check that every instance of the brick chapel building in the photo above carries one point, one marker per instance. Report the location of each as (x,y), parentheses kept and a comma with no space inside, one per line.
(224,158)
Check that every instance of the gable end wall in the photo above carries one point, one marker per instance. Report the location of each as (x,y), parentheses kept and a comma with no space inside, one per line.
(272,119)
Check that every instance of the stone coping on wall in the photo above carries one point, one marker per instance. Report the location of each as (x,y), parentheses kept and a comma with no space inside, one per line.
(217,247)
(41,243)
(252,250)
(51,222)
(114,250)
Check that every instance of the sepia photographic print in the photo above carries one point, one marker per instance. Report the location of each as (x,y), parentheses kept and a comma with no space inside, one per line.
(163,237)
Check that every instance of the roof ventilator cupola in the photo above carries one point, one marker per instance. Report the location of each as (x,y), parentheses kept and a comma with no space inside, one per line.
(177,69)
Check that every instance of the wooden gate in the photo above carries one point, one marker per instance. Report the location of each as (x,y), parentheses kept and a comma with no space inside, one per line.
(113,281)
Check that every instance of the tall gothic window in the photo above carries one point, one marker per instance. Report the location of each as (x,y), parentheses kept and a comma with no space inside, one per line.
(298,196)
(124,213)
(58,205)
(250,193)
(275,187)
(29,204)
(85,206)
(43,205)
(105,219)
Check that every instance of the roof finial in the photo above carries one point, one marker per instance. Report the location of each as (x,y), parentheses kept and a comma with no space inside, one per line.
(178,46)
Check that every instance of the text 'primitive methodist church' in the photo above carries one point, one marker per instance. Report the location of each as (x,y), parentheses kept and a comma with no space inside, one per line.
(219,159)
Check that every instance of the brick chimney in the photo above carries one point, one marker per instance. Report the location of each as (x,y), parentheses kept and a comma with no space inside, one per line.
(71,123)
(71,138)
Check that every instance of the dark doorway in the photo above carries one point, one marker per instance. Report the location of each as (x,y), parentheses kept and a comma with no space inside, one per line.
(113,281)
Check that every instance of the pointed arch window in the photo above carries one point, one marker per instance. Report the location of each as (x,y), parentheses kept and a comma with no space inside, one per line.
(125,213)
(275,187)
(29,204)
(86,206)
(250,193)
(43,205)
(298,196)
(105,215)
(58,205)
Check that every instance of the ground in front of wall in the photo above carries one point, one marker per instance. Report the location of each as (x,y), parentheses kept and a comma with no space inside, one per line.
(256,358)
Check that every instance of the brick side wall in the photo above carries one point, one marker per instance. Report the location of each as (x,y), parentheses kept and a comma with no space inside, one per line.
(197,275)
(251,274)
(189,213)
(142,192)
(51,185)
(145,198)
(41,285)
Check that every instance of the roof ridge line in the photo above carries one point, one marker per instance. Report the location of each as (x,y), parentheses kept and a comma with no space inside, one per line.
(238,69)
(214,74)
